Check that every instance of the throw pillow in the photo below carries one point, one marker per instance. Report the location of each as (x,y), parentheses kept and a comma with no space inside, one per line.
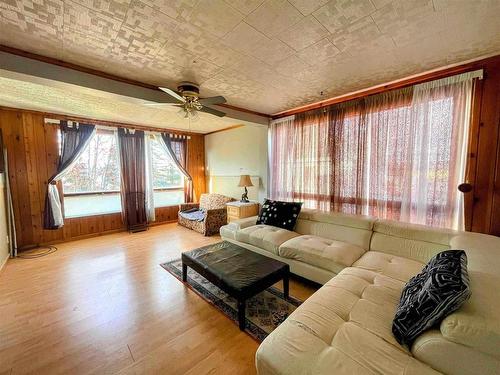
(441,288)
(279,214)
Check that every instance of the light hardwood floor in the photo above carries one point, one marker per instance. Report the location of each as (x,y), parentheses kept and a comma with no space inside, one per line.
(104,305)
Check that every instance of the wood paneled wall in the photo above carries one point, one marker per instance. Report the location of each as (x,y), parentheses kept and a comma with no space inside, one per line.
(32,158)
(196,164)
(483,214)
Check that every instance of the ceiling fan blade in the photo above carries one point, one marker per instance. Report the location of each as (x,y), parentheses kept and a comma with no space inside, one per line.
(213,100)
(160,104)
(212,111)
(172,93)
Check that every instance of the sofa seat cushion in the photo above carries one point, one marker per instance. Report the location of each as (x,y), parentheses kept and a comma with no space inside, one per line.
(398,268)
(321,252)
(193,214)
(343,328)
(264,236)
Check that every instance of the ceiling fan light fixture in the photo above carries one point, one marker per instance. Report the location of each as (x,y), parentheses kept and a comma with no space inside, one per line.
(188,114)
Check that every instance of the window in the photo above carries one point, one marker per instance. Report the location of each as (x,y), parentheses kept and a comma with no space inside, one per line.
(92,186)
(168,181)
(397,155)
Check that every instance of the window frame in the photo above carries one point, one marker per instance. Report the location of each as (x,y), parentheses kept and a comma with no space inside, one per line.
(86,193)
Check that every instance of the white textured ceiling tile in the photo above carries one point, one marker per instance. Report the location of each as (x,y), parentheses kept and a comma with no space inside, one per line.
(150,22)
(38,20)
(245,6)
(318,52)
(244,38)
(409,20)
(235,84)
(50,46)
(273,17)
(177,9)
(271,51)
(381,3)
(111,8)
(306,7)
(361,35)
(81,42)
(196,66)
(412,56)
(215,16)
(251,66)
(96,25)
(294,67)
(263,73)
(136,45)
(467,42)
(205,45)
(338,14)
(304,33)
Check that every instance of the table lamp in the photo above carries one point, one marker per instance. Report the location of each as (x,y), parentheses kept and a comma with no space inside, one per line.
(244,182)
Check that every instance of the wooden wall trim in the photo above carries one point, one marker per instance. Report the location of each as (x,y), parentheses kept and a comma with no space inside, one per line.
(426,77)
(225,129)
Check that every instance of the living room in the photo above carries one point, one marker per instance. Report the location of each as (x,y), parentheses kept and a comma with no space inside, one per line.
(254,186)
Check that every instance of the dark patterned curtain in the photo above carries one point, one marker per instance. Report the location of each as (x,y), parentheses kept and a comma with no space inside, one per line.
(177,146)
(74,140)
(133,178)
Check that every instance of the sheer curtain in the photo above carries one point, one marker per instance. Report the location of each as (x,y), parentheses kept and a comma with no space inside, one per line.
(74,140)
(300,161)
(398,155)
(440,116)
(150,201)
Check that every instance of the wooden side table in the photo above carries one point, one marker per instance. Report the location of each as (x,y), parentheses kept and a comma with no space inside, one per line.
(240,210)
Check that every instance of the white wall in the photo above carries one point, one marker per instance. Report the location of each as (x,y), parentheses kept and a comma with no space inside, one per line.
(4,246)
(231,153)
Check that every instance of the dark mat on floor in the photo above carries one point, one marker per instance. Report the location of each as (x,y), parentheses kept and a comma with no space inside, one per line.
(264,312)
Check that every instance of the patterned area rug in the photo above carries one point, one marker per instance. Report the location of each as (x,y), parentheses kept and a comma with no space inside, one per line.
(264,312)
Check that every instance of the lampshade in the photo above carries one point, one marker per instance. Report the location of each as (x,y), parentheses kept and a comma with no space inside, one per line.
(245,181)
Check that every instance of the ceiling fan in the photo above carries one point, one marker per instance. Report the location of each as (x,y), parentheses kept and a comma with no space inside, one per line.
(187,98)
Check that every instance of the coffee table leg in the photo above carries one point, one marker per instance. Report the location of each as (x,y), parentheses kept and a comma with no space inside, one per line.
(184,272)
(286,286)
(241,314)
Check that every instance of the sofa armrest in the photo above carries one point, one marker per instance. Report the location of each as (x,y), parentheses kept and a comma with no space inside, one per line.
(215,214)
(188,206)
(242,223)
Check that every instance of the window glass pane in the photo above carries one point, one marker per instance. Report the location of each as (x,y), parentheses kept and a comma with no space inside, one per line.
(168,181)
(165,172)
(93,204)
(97,170)
(168,197)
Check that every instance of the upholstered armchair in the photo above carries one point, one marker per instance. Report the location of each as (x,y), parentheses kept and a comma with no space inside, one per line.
(207,216)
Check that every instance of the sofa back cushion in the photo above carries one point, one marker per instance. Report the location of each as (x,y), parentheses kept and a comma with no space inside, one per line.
(353,229)
(214,201)
(477,323)
(417,242)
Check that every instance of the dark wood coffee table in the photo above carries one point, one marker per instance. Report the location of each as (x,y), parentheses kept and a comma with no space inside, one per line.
(239,272)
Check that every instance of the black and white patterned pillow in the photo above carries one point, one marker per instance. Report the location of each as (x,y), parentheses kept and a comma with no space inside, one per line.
(441,288)
(279,214)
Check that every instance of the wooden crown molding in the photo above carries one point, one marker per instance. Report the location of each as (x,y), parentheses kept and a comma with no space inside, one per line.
(405,82)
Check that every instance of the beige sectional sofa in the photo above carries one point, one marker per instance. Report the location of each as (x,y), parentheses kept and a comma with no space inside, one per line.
(345,327)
